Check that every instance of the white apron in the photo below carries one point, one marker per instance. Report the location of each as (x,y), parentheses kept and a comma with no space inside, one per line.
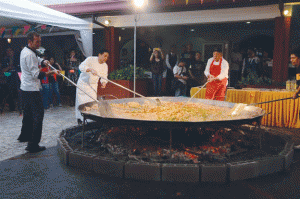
(88,80)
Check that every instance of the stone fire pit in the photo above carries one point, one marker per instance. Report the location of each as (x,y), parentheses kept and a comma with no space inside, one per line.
(196,155)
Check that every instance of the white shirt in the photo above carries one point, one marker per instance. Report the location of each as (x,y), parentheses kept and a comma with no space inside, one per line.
(179,71)
(224,68)
(93,63)
(167,60)
(29,63)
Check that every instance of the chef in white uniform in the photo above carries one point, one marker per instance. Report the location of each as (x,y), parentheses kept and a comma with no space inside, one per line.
(90,68)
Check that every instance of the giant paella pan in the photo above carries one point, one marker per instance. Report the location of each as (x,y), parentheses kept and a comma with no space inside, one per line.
(172,113)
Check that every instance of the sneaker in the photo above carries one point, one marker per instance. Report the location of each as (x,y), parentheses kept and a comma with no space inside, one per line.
(35,149)
(297,147)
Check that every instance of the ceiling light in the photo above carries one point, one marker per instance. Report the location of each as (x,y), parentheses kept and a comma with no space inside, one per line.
(123,28)
(139,3)
(192,30)
(248,22)
(286,12)
(9,40)
(107,22)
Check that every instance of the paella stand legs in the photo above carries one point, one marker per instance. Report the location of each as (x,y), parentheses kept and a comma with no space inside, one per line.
(170,145)
(258,128)
(83,129)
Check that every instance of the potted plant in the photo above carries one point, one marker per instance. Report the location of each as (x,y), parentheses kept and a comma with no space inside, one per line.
(124,76)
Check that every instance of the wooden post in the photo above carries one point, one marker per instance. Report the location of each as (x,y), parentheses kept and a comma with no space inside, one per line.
(281,49)
(112,44)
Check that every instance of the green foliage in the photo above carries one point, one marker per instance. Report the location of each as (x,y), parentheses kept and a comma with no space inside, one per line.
(127,73)
(253,79)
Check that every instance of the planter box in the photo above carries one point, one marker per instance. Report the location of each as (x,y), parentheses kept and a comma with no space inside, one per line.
(142,87)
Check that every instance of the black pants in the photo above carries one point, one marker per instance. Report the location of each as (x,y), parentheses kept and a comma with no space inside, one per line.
(33,116)
(169,78)
(13,84)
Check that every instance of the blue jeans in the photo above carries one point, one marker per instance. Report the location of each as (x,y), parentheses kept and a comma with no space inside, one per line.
(46,95)
(157,79)
(54,88)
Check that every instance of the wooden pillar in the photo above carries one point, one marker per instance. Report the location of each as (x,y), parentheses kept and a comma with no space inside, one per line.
(112,44)
(281,49)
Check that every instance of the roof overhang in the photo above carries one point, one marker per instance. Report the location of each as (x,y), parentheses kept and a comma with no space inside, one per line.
(195,17)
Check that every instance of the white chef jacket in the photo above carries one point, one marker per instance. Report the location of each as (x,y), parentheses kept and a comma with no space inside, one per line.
(88,80)
(29,63)
(224,68)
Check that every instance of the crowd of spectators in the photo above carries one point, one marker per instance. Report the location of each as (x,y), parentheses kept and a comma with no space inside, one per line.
(182,70)
(52,86)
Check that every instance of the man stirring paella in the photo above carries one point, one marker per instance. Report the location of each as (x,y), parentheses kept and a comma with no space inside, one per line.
(217,73)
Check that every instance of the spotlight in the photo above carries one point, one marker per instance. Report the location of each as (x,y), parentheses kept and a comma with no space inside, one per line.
(286,12)
(9,40)
(139,3)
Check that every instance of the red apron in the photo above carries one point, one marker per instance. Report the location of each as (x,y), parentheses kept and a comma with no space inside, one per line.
(216,89)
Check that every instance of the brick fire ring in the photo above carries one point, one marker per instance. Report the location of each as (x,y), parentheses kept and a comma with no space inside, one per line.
(222,173)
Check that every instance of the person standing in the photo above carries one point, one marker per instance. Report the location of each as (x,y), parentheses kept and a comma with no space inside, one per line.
(11,68)
(295,60)
(180,78)
(196,72)
(53,81)
(90,68)
(46,87)
(157,69)
(189,55)
(72,63)
(33,114)
(171,61)
(217,73)
(235,66)
(3,90)
(251,65)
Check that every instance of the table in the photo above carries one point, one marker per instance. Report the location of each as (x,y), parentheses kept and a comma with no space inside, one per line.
(283,113)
